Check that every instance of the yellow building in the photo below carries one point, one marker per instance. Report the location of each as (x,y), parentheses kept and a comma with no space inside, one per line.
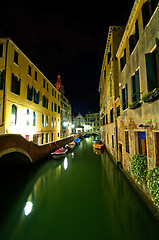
(29,103)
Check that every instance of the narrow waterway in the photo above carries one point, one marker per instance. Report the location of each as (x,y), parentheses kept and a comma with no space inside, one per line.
(83,196)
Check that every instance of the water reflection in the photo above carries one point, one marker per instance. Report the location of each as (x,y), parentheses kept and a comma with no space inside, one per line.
(82,196)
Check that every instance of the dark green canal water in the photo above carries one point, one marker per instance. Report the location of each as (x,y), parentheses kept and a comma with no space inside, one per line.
(83,196)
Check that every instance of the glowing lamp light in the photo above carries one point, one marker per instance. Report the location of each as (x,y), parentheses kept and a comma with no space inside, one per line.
(65,124)
(28,208)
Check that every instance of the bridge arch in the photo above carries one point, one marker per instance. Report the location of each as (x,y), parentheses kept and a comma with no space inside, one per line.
(15,156)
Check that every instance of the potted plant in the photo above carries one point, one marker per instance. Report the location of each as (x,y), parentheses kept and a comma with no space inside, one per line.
(151,96)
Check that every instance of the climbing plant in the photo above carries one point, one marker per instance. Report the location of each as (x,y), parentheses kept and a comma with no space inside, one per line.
(153,185)
(139,168)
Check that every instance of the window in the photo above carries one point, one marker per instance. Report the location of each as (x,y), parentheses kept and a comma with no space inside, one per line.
(47,137)
(13,115)
(1,79)
(124,98)
(28,118)
(35,75)
(55,107)
(36,96)
(52,137)
(15,85)
(134,38)
(59,109)
(123,61)
(111,115)
(55,123)
(135,87)
(34,118)
(43,120)
(42,140)
(47,121)
(1,50)
(29,70)
(127,142)
(43,83)
(52,122)
(16,57)
(152,68)
(52,107)
(29,92)
(52,92)
(141,143)
(118,111)
(45,102)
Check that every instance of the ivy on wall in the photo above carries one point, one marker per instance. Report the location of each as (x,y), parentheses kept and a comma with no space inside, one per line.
(139,168)
(153,185)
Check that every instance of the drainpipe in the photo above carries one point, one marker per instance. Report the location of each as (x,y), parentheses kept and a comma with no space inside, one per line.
(4,84)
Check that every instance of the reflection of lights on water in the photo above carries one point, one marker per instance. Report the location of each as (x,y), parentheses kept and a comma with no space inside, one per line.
(65,163)
(28,208)
(73,155)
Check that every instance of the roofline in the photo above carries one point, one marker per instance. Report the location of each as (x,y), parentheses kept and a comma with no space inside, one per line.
(128,25)
(10,40)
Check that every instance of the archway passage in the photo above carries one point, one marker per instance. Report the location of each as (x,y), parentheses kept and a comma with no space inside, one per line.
(15,158)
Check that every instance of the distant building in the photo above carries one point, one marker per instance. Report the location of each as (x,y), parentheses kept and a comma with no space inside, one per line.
(29,103)
(92,122)
(66,111)
(78,124)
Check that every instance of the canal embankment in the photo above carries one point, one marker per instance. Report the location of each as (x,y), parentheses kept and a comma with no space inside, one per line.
(143,192)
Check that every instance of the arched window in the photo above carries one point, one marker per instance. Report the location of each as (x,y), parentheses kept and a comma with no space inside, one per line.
(13,119)
(43,121)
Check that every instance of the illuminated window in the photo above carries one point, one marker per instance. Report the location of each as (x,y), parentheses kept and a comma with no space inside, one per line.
(47,121)
(28,118)
(13,114)
(52,122)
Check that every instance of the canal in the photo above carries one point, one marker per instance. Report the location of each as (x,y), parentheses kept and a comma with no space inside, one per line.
(84,196)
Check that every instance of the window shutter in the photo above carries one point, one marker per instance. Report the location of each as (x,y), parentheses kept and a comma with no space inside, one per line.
(145,13)
(150,68)
(137,86)
(133,95)
(126,95)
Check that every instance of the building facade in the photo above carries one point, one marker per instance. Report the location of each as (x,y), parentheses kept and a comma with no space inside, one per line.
(109,89)
(66,117)
(78,124)
(29,103)
(66,111)
(136,110)
(92,122)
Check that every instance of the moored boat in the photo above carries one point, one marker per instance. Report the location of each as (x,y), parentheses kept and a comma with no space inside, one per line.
(59,153)
(71,145)
(98,144)
(77,140)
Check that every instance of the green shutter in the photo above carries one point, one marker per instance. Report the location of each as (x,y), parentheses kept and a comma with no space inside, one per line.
(157,43)
(150,68)
(137,86)
(126,95)
(145,13)
(133,95)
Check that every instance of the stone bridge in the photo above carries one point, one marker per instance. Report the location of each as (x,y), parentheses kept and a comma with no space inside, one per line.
(15,149)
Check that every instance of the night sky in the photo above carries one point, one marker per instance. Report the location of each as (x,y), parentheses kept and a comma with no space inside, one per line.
(66,38)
